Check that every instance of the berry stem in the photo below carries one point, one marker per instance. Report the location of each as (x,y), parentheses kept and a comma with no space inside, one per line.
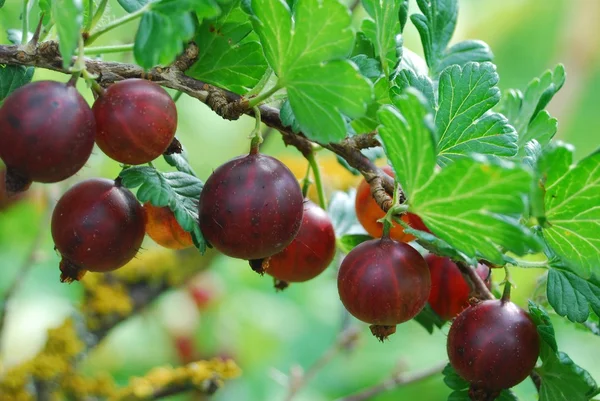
(97,14)
(177,96)
(255,101)
(507,286)
(530,264)
(93,83)
(25,16)
(312,161)
(88,17)
(92,51)
(395,209)
(116,23)
(261,84)
(256,136)
(306,181)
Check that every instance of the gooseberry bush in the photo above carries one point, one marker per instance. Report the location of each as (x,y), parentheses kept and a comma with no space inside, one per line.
(472,184)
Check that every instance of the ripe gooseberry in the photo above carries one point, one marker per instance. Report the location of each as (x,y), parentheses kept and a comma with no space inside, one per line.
(164,229)
(309,254)
(47,134)
(449,290)
(136,121)
(384,282)
(493,345)
(368,212)
(251,207)
(97,225)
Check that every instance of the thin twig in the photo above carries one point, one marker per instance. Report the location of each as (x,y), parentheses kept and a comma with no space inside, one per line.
(225,103)
(479,289)
(345,340)
(397,380)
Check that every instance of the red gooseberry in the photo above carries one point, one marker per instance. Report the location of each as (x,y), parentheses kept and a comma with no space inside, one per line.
(309,253)
(384,282)
(251,207)
(137,120)
(449,290)
(97,225)
(47,133)
(493,345)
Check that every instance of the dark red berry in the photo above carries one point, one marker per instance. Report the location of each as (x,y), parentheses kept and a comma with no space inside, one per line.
(47,134)
(251,207)
(384,282)
(449,290)
(98,226)
(493,345)
(136,121)
(310,252)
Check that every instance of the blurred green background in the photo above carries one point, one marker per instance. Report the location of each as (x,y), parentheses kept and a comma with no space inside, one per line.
(268,333)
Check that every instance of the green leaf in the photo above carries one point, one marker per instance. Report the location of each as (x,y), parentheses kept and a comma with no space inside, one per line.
(412,61)
(161,37)
(542,129)
(474,204)
(403,14)
(349,241)
(574,223)
(368,122)
(572,296)
(223,60)
(563,380)
(179,191)
(429,319)
(544,327)
(180,162)
(438,246)
(320,85)
(461,386)
(317,99)
(68,18)
(462,53)
(523,109)
(408,141)
(463,120)
(2,3)
(459,395)
(436,26)
(342,213)
(507,395)
(551,163)
(288,119)
(453,380)
(132,5)
(383,30)
(408,78)
(13,77)
(368,67)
